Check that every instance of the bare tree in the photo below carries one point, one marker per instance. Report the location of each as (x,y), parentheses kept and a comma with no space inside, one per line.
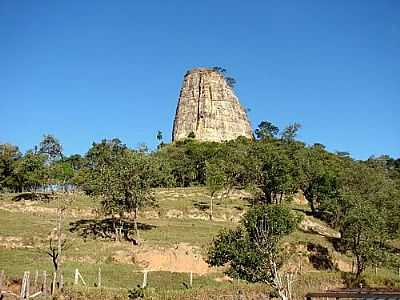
(54,253)
(58,244)
(266,243)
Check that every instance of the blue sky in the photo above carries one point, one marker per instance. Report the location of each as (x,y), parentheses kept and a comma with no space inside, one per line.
(87,70)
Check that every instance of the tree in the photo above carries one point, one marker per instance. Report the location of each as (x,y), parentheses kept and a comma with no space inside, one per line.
(178,163)
(220,70)
(215,182)
(266,130)
(252,251)
(364,233)
(320,179)
(369,210)
(186,160)
(275,171)
(30,172)
(125,186)
(9,156)
(290,132)
(163,171)
(58,243)
(61,173)
(51,147)
(99,157)
(159,135)
(230,81)
(76,161)
(160,139)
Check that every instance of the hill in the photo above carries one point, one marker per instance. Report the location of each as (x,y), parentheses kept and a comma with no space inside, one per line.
(175,236)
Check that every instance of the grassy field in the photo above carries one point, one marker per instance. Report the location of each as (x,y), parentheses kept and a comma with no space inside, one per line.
(181,218)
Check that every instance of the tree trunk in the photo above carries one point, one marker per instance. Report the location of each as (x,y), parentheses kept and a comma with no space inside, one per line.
(135,224)
(211,207)
(59,240)
(360,267)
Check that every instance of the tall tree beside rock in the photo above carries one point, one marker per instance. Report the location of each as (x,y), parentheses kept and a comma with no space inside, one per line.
(266,130)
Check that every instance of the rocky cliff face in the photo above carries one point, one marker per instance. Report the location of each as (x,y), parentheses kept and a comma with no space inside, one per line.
(209,108)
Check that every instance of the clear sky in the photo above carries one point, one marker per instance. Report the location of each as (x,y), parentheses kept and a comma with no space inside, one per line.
(87,70)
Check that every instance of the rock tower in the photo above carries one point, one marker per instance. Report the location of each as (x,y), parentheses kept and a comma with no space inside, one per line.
(209,108)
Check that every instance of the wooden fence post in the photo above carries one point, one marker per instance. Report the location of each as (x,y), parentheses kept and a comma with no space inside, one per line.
(99,278)
(61,281)
(80,276)
(35,281)
(144,284)
(27,285)
(44,287)
(22,292)
(191,279)
(76,277)
(24,287)
(53,284)
(1,279)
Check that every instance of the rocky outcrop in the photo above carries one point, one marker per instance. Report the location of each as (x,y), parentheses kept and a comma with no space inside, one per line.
(209,108)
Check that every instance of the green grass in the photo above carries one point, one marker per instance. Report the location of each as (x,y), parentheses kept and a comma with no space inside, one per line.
(25,225)
(187,199)
(15,261)
(172,231)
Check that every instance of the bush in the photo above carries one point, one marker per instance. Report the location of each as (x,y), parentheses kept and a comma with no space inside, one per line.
(136,293)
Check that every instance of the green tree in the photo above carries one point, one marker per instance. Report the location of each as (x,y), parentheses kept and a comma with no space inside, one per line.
(320,179)
(160,139)
(98,158)
(51,147)
(159,136)
(30,172)
(364,233)
(125,186)
(253,251)
(61,173)
(9,156)
(275,171)
(369,209)
(266,130)
(290,132)
(229,80)
(180,165)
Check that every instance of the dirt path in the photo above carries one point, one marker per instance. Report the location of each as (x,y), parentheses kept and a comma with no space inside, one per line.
(181,258)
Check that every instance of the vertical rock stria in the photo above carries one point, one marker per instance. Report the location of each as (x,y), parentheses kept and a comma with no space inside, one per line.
(209,108)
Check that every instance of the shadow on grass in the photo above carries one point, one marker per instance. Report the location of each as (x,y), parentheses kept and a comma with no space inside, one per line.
(201,205)
(34,196)
(106,228)
(305,211)
(320,258)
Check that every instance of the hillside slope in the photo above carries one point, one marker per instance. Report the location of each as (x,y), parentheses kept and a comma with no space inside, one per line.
(175,236)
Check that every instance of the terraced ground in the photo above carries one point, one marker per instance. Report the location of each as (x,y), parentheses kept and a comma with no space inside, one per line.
(175,236)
